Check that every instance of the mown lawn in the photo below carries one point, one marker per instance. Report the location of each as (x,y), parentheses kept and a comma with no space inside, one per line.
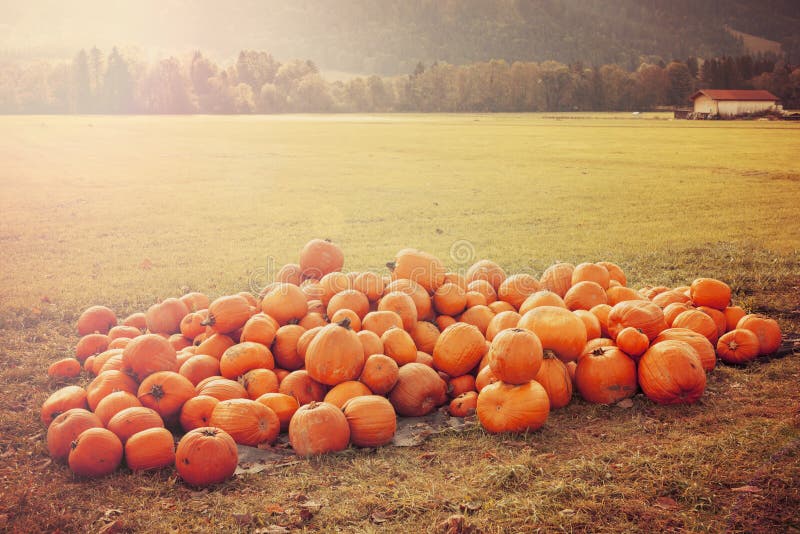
(124,211)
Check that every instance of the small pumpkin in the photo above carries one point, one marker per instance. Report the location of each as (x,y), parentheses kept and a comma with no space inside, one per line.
(486,270)
(399,345)
(710,292)
(199,367)
(94,319)
(591,272)
(505,407)
(450,299)
(419,390)
(260,328)
(767,330)
(248,422)
(372,420)
(286,303)
(221,388)
(129,421)
(464,405)
(421,267)
(165,392)
(557,278)
(670,372)
(65,428)
(380,373)
(165,317)
(64,368)
(645,316)
(153,448)
(738,346)
(335,355)
(458,349)
(283,405)
(284,348)
(502,321)
(302,387)
(318,428)
(515,356)
(196,412)
(243,357)
(96,452)
(319,257)
(632,342)
(113,403)
(91,344)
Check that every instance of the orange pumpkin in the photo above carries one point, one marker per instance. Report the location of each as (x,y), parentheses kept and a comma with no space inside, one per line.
(221,388)
(645,316)
(632,342)
(606,376)
(458,349)
(486,270)
(767,330)
(96,319)
(291,273)
(399,345)
(260,328)
(285,303)
(419,390)
(65,428)
(505,407)
(449,299)
(96,452)
(710,292)
(380,373)
(165,392)
(421,267)
(107,382)
(248,422)
(195,301)
(425,334)
(318,428)
(699,322)
(541,298)
(206,456)
(91,344)
(149,449)
(502,321)
(591,322)
(369,283)
(591,272)
(284,348)
(113,403)
(670,372)
(349,299)
(339,394)
(370,342)
(665,298)
(199,367)
(701,344)
(403,305)
(380,321)
(738,346)
(615,272)
(243,357)
(464,405)
(671,311)
(419,295)
(283,405)
(372,420)
(557,278)
(516,288)
(165,317)
(319,257)
(196,412)
(214,345)
(64,368)
(479,316)
(302,387)
(335,355)
(148,354)
(137,320)
(260,381)
(129,421)
(558,329)
(556,380)
(515,356)
(733,314)
(460,384)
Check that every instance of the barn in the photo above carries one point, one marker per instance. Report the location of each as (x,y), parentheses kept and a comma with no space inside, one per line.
(733,102)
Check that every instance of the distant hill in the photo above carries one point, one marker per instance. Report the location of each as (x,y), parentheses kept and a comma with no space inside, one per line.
(390,37)
(754,44)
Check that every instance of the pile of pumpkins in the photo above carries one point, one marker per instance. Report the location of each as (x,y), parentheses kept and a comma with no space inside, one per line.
(333,358)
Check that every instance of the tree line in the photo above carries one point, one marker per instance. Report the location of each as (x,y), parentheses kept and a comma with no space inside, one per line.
(93,82)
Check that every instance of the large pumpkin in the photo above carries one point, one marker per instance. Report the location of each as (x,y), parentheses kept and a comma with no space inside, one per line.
(458,349)
(558,329)
(556,380)
(701,344)
(62,400)
(335,355)
(710,292)
(380,373)
(606,376)
(165,317)
(65,428)
(512,408)
(96,452)
(96,319)
(645,316)
(206,456)
(515,356)
(738,346)
(557,278)
(318,428)
(767,330)
(418,391)
(286,303)
(372,420)
(248,422)
(423,268)
(153,448)
(148,354)
(229,313)
(670,372)
(319,257)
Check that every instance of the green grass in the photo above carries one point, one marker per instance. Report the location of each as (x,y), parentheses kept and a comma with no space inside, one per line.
(216,203)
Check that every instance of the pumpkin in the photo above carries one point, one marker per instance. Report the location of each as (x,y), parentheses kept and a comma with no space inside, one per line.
(738,346)
(165,392)
(113,403)
(423,268)
(484,377)
(605,376)
(541,298)
(91,344)
(107,382)
(260,381)
(425,334)
(148,354)
(458,349)
(486,270)
(332,284)
(632,342)
(313,291)
(64,368)
(165,317)
(114,363)
(260,328)
(399,345)
(401,304)
(319,257)
(502,321)
(499,306)
(419,390)
(371,284)
(153,448)
(443,321)
(123,331)
(372,420)
(516,288)
(129,421)
(206,456)
(284,348)
(460,384)
(557,278)
(192,324)
(699,322)
(243,357)
(286,303)
(671,311)
(484,288)
(733,314)
(617,294)
(645,316)
(65,428)
(196,412)
(449,299)
(96,319)
(315,319)
(591,322)
(370,342)
(302,387)
(505,407)
(291,273)
(318,428)
(137,320)
(215,345)
(601,311)
(195,301)
(424,358)
(339,394)
(558,329)
(710,292)
(380,373)
(335,355)
(479,316)
(381,321)
(199,367)
(283,405)
(349,299)
(221,388)
(556,380)
(515,356)
(340,315)
(96,452)
(615,272)
(767,330)
(418,294)
(248,422)
(464,405)
(178,341)
(665,298)
(670,372)
(230,313)
(591,272)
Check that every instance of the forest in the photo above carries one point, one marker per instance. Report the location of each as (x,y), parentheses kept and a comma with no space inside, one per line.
(98,82)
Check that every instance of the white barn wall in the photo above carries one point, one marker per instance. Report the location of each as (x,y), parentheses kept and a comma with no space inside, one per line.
(739,107)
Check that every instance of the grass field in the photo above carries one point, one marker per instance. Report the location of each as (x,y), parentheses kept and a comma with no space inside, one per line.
(216,204)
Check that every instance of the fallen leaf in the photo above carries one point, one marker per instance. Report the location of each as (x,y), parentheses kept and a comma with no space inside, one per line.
(146,264)
(312,506)
(427,456)
(489,455)
(566,512)
(665,503)
(625,403)
(455,524)
(111,528)
(243,519)
(381,516)
(747,489)
(274,509)
(469,507)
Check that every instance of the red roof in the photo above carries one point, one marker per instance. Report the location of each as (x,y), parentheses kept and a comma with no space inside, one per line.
(736,94)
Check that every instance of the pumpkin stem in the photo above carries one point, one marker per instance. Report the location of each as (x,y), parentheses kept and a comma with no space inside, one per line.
(157,391)
(210,320)
(733,346)
(391,265)
(549,354)
(599,351)
(345,323)
(210,431)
